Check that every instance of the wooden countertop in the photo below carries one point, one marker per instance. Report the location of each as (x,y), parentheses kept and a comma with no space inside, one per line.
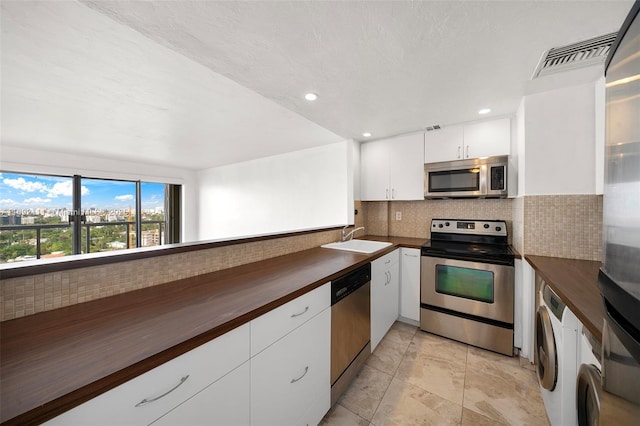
(576,282)
(55,360)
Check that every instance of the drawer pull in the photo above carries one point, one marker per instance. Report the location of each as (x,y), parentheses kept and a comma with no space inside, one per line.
(411,255)
(306,369)
(147,401)
(301,313)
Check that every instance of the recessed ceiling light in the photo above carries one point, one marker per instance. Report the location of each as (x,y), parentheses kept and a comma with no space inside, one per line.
(311,96)
(366,134)
(484,111)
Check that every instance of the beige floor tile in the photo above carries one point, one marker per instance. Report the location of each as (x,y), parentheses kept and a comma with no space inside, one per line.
(387,355)
(471,418)
(366,392)
(525,363)
(407,405)
(502,391)
(436,365)
(401,332)
(493,356)
(340,416)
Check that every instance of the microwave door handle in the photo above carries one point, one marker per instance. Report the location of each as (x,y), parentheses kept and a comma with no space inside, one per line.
(483,179)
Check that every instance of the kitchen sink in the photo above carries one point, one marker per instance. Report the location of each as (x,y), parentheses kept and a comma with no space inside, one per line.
(359,246)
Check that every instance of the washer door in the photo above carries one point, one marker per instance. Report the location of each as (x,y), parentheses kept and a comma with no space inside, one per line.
(546,349)
(588,391)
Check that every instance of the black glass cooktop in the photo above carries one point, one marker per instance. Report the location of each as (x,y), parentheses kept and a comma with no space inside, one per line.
(477,252)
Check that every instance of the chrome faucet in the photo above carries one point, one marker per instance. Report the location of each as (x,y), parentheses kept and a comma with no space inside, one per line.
(349,235)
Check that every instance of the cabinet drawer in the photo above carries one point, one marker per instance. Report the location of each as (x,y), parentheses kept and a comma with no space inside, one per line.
(385,262)
(271,326)
(292,375)
(225,402)
(154,393)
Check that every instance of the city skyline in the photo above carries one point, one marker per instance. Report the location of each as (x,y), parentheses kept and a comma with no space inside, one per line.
(29,192)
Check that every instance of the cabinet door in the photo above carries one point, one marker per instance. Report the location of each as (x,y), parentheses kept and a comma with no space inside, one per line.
(374,171)
(443,144)
(410,284)
(406,167)
(487,138)
(225,402)
(293,374)
(384,295)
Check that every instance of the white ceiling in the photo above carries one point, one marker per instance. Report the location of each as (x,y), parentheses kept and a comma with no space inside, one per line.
(197,84)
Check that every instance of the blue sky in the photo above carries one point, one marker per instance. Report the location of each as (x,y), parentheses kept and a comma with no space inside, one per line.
(20,192)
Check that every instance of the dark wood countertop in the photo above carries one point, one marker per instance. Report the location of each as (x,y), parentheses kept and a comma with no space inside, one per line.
(576,282)
(55,360)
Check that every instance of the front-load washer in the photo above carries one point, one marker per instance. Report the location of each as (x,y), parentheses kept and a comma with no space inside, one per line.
(557,350)
(588,387)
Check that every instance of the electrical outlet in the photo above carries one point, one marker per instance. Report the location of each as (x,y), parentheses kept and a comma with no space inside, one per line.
(398,215)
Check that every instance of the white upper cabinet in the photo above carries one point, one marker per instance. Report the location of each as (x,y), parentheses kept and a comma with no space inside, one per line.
(487,138)
(483,139)
(443,145)
(392,169)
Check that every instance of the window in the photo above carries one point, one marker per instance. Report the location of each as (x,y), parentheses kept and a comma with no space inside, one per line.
(52,216)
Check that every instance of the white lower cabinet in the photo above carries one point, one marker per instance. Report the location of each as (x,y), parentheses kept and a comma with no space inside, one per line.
(385,295)
(290,379)
(286,382)
(225,402)
(410,283)
(146,398)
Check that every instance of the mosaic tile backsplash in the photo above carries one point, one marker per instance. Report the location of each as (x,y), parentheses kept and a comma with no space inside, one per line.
(37,293)
(567,226)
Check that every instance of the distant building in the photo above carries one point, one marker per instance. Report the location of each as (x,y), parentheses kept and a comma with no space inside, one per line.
(94,218)
(117,245)
(28,220)
(150,238)
(11,220)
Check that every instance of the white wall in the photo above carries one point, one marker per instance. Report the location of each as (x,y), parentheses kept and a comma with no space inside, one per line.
(560,131)
(22,160)
(295,191)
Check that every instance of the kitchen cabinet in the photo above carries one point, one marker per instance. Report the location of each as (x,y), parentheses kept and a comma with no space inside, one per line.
(290,379)
(153,394)
(385,295)
(410,284)
(474,140)
(392,169)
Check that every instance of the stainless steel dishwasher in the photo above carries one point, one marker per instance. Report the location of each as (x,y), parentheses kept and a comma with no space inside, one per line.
(350,327)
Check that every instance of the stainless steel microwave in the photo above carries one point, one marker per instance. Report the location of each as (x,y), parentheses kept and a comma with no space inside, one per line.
(472,178)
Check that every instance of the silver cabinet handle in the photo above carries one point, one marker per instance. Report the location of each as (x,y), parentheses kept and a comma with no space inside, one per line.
(411,255)
(148,401)
(467,152)
(301,313)
(458,151)
(306,370)
(387,262)
(386,194)
(393,193)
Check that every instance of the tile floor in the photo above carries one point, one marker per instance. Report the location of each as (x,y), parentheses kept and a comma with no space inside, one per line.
(416,378)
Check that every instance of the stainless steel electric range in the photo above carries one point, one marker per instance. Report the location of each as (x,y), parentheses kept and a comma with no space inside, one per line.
(467,283)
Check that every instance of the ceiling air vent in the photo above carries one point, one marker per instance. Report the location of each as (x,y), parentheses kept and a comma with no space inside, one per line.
(434,127)
(575,55)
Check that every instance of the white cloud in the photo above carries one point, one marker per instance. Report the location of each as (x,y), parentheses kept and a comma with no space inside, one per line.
(36,200)
(8,202)
(126,197)
(65,189)
(24,185)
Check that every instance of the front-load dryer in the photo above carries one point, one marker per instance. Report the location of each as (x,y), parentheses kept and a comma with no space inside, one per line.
(588,387)
(557,350)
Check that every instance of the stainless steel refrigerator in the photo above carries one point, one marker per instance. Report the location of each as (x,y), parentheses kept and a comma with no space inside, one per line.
(620,273)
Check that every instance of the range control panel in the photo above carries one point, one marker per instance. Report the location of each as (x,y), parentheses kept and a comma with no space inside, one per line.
(474,227)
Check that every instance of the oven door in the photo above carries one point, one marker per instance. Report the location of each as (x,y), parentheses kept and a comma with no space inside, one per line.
(479,289)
